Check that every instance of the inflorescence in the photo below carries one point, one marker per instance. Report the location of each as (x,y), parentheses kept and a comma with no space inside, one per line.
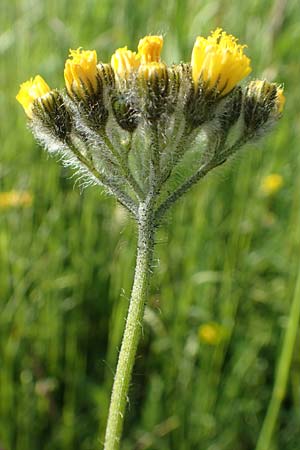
(143,129)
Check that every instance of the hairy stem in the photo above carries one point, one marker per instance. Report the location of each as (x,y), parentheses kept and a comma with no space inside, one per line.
(132,328)
(285,359)
(122,197)
(219,159)
(122,160)
(201,172)
(155,157)
(179,150)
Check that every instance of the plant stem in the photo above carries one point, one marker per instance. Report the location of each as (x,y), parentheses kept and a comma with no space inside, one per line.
(122,197)
(198,175)
(285,359)
(123,166)
(132,328)
(175,195)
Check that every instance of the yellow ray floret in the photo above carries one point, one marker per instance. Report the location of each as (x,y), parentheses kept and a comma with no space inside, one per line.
(219,61)
(124,62)
(30,91)
(81,71)
(149,49)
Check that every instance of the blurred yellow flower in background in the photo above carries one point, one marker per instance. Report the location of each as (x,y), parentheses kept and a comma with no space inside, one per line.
(211,333)
(14,199)
(271,184)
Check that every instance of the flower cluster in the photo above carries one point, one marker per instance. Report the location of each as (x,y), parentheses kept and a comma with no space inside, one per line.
(133,124)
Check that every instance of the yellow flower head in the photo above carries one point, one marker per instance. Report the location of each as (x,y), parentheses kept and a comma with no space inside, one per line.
(149,49)
(124,62)
(30,91)
(271,184)
(219,61)
(81,71)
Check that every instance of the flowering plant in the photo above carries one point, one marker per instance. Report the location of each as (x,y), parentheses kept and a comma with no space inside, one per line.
(134,125)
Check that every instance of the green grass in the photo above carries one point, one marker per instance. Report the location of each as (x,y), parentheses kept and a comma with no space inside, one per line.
(227,254)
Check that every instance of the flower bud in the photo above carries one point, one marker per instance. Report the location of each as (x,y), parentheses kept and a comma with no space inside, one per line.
(199,106)
(124,63)
(125,111)
(86,84)
(153,80)
(263,103)
(51,115)
(45,108)
(81,73)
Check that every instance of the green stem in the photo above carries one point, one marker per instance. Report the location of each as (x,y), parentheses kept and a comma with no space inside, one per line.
(285,359)
(122,197)
(203,170)
(175,195)
(132,328)
(154,157)
(122,160)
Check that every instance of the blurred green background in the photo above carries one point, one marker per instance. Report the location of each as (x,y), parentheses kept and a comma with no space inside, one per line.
(227,259)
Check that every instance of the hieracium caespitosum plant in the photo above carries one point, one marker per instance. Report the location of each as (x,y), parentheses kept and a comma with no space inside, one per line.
(133,125)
